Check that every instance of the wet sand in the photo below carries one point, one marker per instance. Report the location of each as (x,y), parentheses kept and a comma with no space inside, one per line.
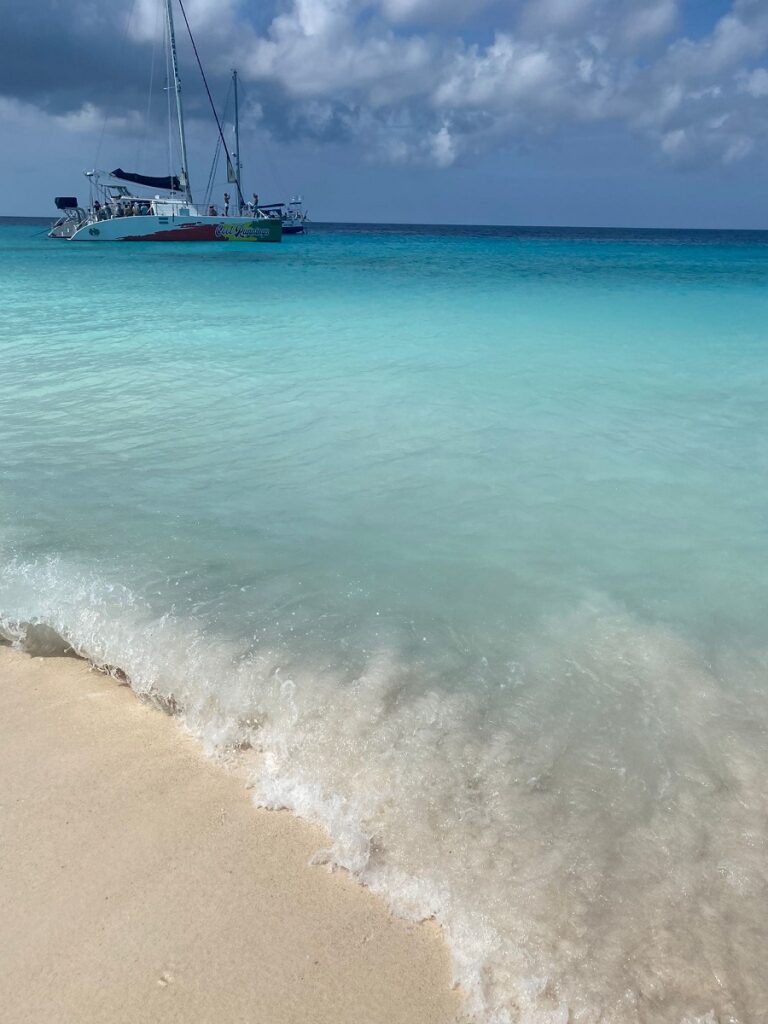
(139,884)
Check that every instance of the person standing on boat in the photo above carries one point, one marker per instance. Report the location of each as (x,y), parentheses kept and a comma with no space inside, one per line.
(226,204)
(255,204)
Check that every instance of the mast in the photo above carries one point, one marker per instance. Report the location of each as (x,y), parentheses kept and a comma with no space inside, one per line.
(177,90)
(210,100)
(238,164)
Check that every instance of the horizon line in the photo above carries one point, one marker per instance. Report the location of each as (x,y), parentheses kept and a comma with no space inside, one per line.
(464,224)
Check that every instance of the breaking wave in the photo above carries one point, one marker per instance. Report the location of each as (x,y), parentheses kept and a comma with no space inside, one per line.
(585,816)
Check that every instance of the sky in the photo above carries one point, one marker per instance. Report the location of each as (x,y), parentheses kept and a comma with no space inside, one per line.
(649,113)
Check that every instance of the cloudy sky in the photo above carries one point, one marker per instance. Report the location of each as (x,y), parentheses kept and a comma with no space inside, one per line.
(615,112)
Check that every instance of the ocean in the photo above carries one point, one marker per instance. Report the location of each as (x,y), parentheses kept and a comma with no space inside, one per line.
(459,537)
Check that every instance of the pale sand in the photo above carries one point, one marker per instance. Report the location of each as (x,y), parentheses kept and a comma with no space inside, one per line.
(138,883)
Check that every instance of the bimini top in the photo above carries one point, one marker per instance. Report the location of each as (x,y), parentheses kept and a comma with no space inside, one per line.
(168,184)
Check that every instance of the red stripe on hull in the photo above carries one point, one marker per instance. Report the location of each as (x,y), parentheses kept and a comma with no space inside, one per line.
(221,232)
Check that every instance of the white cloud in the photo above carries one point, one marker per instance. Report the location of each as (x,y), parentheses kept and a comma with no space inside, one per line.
(754,82)
(443,147)
(676,143)
(428,80)
(506,71)
(432,11)
(146,19)
(739,36)
(315,49)
(15,114)
(696,98)
(541,16)
(91,118)
(738,148)
(651,21)
(565,60)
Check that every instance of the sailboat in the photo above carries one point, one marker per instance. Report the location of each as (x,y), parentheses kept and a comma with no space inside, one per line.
(117,213)
(292,214)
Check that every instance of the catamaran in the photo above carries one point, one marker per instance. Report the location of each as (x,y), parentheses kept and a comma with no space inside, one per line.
(292,215)
(117,213)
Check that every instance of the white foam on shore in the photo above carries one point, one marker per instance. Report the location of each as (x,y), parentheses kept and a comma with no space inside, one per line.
(589,824)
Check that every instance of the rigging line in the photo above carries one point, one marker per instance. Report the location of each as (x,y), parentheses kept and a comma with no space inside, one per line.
(140,149)
(168,97)
(121,51)
(216,153)
(212,174)
(277,179)
(210,98)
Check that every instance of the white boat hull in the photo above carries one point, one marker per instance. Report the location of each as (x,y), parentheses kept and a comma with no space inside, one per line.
(178,228)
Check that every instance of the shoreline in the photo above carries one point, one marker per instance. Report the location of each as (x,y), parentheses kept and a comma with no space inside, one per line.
(140,883)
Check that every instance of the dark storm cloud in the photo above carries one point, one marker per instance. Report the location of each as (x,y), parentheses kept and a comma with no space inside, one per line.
(58,58)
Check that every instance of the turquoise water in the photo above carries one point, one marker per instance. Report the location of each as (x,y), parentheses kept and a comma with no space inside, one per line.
(465,534)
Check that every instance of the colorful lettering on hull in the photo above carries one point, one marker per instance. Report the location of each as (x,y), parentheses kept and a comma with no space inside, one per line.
(249,231)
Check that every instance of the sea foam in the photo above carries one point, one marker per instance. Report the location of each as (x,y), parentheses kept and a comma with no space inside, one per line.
(588,825)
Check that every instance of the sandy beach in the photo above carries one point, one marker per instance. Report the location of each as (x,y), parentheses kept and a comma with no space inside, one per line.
(139,883)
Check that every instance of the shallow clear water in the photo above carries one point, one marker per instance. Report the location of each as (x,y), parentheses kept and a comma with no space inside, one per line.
(466,531)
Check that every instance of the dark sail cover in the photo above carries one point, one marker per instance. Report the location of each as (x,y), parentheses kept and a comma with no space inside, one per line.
(169,184)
